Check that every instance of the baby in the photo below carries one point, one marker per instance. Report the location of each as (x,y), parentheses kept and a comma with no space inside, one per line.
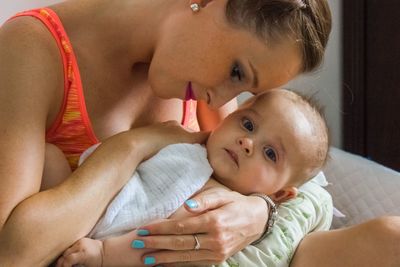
(272,144)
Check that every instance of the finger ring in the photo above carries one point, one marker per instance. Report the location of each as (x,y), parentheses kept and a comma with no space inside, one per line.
(197,246)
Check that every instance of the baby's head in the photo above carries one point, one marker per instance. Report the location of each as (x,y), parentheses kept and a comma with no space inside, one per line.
(272,144)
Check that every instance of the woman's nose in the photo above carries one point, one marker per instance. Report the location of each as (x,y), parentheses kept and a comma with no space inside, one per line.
(246,145)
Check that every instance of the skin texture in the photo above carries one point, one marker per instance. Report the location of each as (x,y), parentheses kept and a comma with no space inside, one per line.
(128,83)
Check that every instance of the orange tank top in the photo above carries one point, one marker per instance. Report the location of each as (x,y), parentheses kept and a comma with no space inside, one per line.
(72,131)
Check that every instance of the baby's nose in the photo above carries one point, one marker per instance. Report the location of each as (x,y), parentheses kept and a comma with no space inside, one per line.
(246,144)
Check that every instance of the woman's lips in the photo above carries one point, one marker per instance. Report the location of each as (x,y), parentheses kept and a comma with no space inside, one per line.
(233,156)
(189,92)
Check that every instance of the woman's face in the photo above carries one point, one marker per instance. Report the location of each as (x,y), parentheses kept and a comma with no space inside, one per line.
(201,56)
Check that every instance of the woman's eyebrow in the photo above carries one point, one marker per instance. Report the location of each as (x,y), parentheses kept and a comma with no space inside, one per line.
(255,75)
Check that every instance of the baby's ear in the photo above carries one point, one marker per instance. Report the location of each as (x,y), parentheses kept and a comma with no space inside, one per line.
(284,194)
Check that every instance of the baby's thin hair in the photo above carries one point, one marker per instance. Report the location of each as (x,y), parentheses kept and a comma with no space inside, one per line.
(319,110)
(319,121)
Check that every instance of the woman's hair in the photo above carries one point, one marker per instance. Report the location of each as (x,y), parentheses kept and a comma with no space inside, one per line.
(307,21)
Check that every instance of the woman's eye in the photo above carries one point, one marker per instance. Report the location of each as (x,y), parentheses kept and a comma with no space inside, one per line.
(248,125)
(270,153)
(236,73)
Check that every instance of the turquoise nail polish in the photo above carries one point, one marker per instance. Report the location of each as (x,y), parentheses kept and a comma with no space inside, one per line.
(149,260)
(143,232)
(191,203)
(137,244)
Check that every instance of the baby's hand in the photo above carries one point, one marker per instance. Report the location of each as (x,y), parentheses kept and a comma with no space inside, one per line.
(86,251)
(156,136)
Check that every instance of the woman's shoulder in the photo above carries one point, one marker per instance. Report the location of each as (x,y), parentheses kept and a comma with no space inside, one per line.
(30,62)
(28,39)
(23,29)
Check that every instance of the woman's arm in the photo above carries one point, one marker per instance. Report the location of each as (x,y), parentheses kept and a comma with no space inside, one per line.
(56,167)
(35,227)
(70,210)
(29,77)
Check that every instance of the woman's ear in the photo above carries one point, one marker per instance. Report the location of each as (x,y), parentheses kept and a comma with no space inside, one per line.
(284,194)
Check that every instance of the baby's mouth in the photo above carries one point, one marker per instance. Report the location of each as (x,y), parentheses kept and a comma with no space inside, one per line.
(189,92)
(233,156)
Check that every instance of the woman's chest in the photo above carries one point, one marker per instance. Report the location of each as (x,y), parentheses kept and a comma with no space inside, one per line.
(118,101)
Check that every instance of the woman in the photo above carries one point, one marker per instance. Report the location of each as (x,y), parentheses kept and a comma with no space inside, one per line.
(126,64)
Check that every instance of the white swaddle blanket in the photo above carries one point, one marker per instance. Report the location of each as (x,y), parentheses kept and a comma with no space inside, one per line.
(158,187)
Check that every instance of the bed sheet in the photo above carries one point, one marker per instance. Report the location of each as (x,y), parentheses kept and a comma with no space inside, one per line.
(361,189)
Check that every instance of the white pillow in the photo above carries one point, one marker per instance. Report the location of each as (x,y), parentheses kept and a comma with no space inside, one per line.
(360,188)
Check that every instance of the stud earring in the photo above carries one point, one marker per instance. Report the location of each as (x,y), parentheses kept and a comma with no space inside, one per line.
(195,7)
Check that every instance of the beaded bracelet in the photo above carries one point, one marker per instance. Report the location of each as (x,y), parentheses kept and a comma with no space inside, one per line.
(272,216)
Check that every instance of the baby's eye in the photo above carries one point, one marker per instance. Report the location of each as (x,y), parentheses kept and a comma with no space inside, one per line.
(270,153)
(236,73)
(248,124)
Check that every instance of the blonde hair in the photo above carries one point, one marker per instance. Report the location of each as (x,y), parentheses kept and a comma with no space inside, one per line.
(307,21)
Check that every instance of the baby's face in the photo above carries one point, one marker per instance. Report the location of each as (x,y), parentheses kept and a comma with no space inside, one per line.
(259,147)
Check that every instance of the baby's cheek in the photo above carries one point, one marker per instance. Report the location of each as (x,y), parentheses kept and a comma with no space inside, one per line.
(263,180)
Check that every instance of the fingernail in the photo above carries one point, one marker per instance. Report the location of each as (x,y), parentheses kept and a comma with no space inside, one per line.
(137,244)
(191,203)
(149,260)
(143,232)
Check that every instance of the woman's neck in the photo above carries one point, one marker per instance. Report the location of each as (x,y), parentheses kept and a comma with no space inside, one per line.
(124,29)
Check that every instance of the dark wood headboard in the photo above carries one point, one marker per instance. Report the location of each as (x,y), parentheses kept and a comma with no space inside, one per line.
(371,79)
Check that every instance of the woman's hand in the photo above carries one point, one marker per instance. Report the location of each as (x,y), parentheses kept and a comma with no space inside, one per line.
(227,222)
(156,136)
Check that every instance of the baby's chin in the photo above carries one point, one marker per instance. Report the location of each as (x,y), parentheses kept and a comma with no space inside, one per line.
(217,176)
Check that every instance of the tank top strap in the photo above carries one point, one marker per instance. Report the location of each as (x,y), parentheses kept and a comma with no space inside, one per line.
(72,131)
